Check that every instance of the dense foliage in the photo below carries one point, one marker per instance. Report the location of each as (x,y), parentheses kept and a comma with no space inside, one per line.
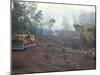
(87,34)
(25,18)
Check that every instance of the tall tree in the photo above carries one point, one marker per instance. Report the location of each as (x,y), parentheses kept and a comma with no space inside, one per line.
(25,18)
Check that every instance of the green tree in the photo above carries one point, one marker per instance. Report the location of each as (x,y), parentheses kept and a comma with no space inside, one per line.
(51,22)
(25,18)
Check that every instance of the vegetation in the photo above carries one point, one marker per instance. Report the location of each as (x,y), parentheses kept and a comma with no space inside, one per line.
(27,19)
(87,34)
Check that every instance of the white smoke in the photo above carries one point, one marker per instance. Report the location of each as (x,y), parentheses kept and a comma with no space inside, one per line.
(65,15)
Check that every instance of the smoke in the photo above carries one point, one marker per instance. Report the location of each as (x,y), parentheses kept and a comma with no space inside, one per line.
(65,15)
(64,20)
(68,22)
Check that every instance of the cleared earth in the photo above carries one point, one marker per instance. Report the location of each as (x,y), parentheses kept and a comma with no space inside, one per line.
(49,56)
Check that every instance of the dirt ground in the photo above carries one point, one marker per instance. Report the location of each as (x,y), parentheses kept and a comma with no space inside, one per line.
(50,57)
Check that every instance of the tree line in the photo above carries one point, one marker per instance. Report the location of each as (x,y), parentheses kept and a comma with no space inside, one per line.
(27,19)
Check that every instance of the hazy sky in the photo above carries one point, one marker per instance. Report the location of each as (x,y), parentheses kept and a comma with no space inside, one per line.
(49,6)
(62,12)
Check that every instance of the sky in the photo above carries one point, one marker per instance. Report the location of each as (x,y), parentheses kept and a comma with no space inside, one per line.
(50,6)
(62,12)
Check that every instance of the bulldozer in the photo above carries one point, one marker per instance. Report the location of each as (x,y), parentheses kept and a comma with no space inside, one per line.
(22,41)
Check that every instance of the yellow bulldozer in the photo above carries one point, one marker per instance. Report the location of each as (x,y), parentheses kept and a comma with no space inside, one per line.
(22,41)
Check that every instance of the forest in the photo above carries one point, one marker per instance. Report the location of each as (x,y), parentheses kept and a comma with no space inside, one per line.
(26,18)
